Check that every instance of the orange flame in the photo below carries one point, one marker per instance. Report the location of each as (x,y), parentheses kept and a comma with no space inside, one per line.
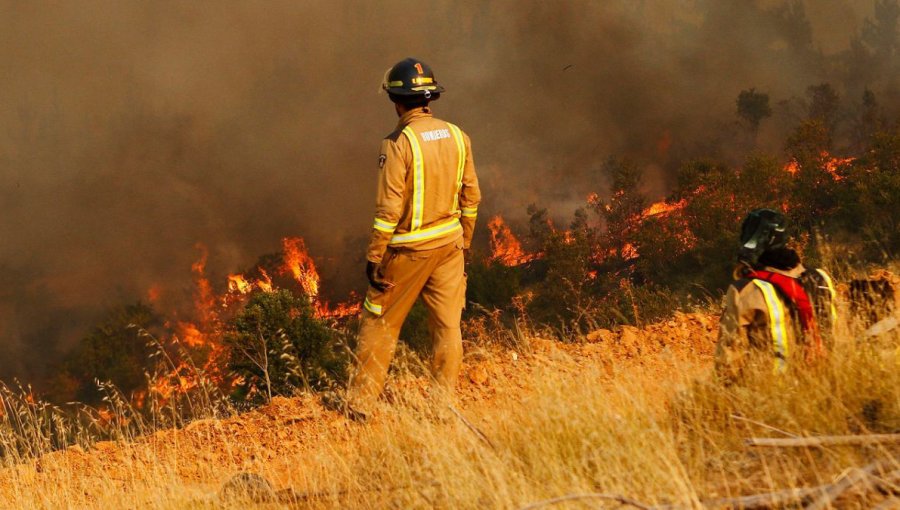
(298,263)
(792,167)
(204,298)
(339,311)
(829,163)
(237,283)
(662,208)
(202,340)
(832,165)
(191,335)
(505,247)
(154,293)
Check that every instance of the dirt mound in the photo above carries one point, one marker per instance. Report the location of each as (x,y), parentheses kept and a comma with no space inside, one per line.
(684,342)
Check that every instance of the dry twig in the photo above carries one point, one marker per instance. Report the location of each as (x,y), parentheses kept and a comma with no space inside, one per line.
(763,425)
(472,427)
(844,483)
(820,441)
(575,497)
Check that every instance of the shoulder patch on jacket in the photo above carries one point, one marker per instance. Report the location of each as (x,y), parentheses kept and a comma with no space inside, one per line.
(381,159)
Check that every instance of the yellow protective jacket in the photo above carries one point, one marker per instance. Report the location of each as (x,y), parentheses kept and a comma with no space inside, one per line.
(758,322)
(428,192)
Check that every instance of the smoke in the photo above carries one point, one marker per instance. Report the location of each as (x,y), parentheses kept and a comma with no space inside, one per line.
(131,131)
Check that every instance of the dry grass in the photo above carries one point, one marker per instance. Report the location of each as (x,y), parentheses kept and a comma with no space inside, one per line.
(641,420)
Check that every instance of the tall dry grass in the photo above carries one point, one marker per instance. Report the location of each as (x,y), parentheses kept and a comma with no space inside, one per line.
(574,428)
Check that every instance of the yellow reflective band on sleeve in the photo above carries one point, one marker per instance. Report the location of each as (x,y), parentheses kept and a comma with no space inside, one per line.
(460,164)
(428,233)
(372,307)
(777,324)
(833,292)
(384,226)
(418,203)
(470,212)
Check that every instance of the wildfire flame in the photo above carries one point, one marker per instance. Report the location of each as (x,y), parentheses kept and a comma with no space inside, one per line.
(662,208)
(298,263)
(239,284)
(829,163)
(204,297)
(203,337)
(505,247)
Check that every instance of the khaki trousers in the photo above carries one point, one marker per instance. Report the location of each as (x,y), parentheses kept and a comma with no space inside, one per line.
(438,275)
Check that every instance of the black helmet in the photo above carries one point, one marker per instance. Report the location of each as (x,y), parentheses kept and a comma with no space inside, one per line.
(413,79)
(762,230)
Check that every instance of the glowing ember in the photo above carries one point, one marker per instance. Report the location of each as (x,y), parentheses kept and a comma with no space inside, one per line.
(629,252)
(505,247)
(793,167)
(832,165)
(153,293)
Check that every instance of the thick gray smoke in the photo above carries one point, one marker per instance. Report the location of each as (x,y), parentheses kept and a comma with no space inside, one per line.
(131,131)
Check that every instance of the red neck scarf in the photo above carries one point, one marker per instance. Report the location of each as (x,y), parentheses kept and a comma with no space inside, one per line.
(792,289)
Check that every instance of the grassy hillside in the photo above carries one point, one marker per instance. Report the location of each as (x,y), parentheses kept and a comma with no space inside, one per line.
(632,412)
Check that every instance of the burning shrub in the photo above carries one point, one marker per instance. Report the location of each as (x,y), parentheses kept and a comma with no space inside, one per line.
(277,345)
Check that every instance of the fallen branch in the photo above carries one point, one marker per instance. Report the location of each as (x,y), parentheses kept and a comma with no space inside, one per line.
(819,497)
(776,499)
(478,433)
(763,425)
(844,483)
(576,497)
(820,441)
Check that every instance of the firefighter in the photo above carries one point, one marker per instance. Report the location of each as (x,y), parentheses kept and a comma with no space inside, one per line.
(775,307)
(425,209)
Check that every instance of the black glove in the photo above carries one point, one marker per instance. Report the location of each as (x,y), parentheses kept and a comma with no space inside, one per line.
(375,279)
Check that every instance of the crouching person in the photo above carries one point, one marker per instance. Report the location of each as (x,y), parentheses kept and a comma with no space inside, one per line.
(776,312)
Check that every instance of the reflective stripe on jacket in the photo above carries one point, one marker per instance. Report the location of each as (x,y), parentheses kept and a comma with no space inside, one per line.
(428,192)
(778,323)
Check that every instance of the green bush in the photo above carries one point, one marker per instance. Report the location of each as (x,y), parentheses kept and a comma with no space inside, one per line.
(114,351)
(277,346)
